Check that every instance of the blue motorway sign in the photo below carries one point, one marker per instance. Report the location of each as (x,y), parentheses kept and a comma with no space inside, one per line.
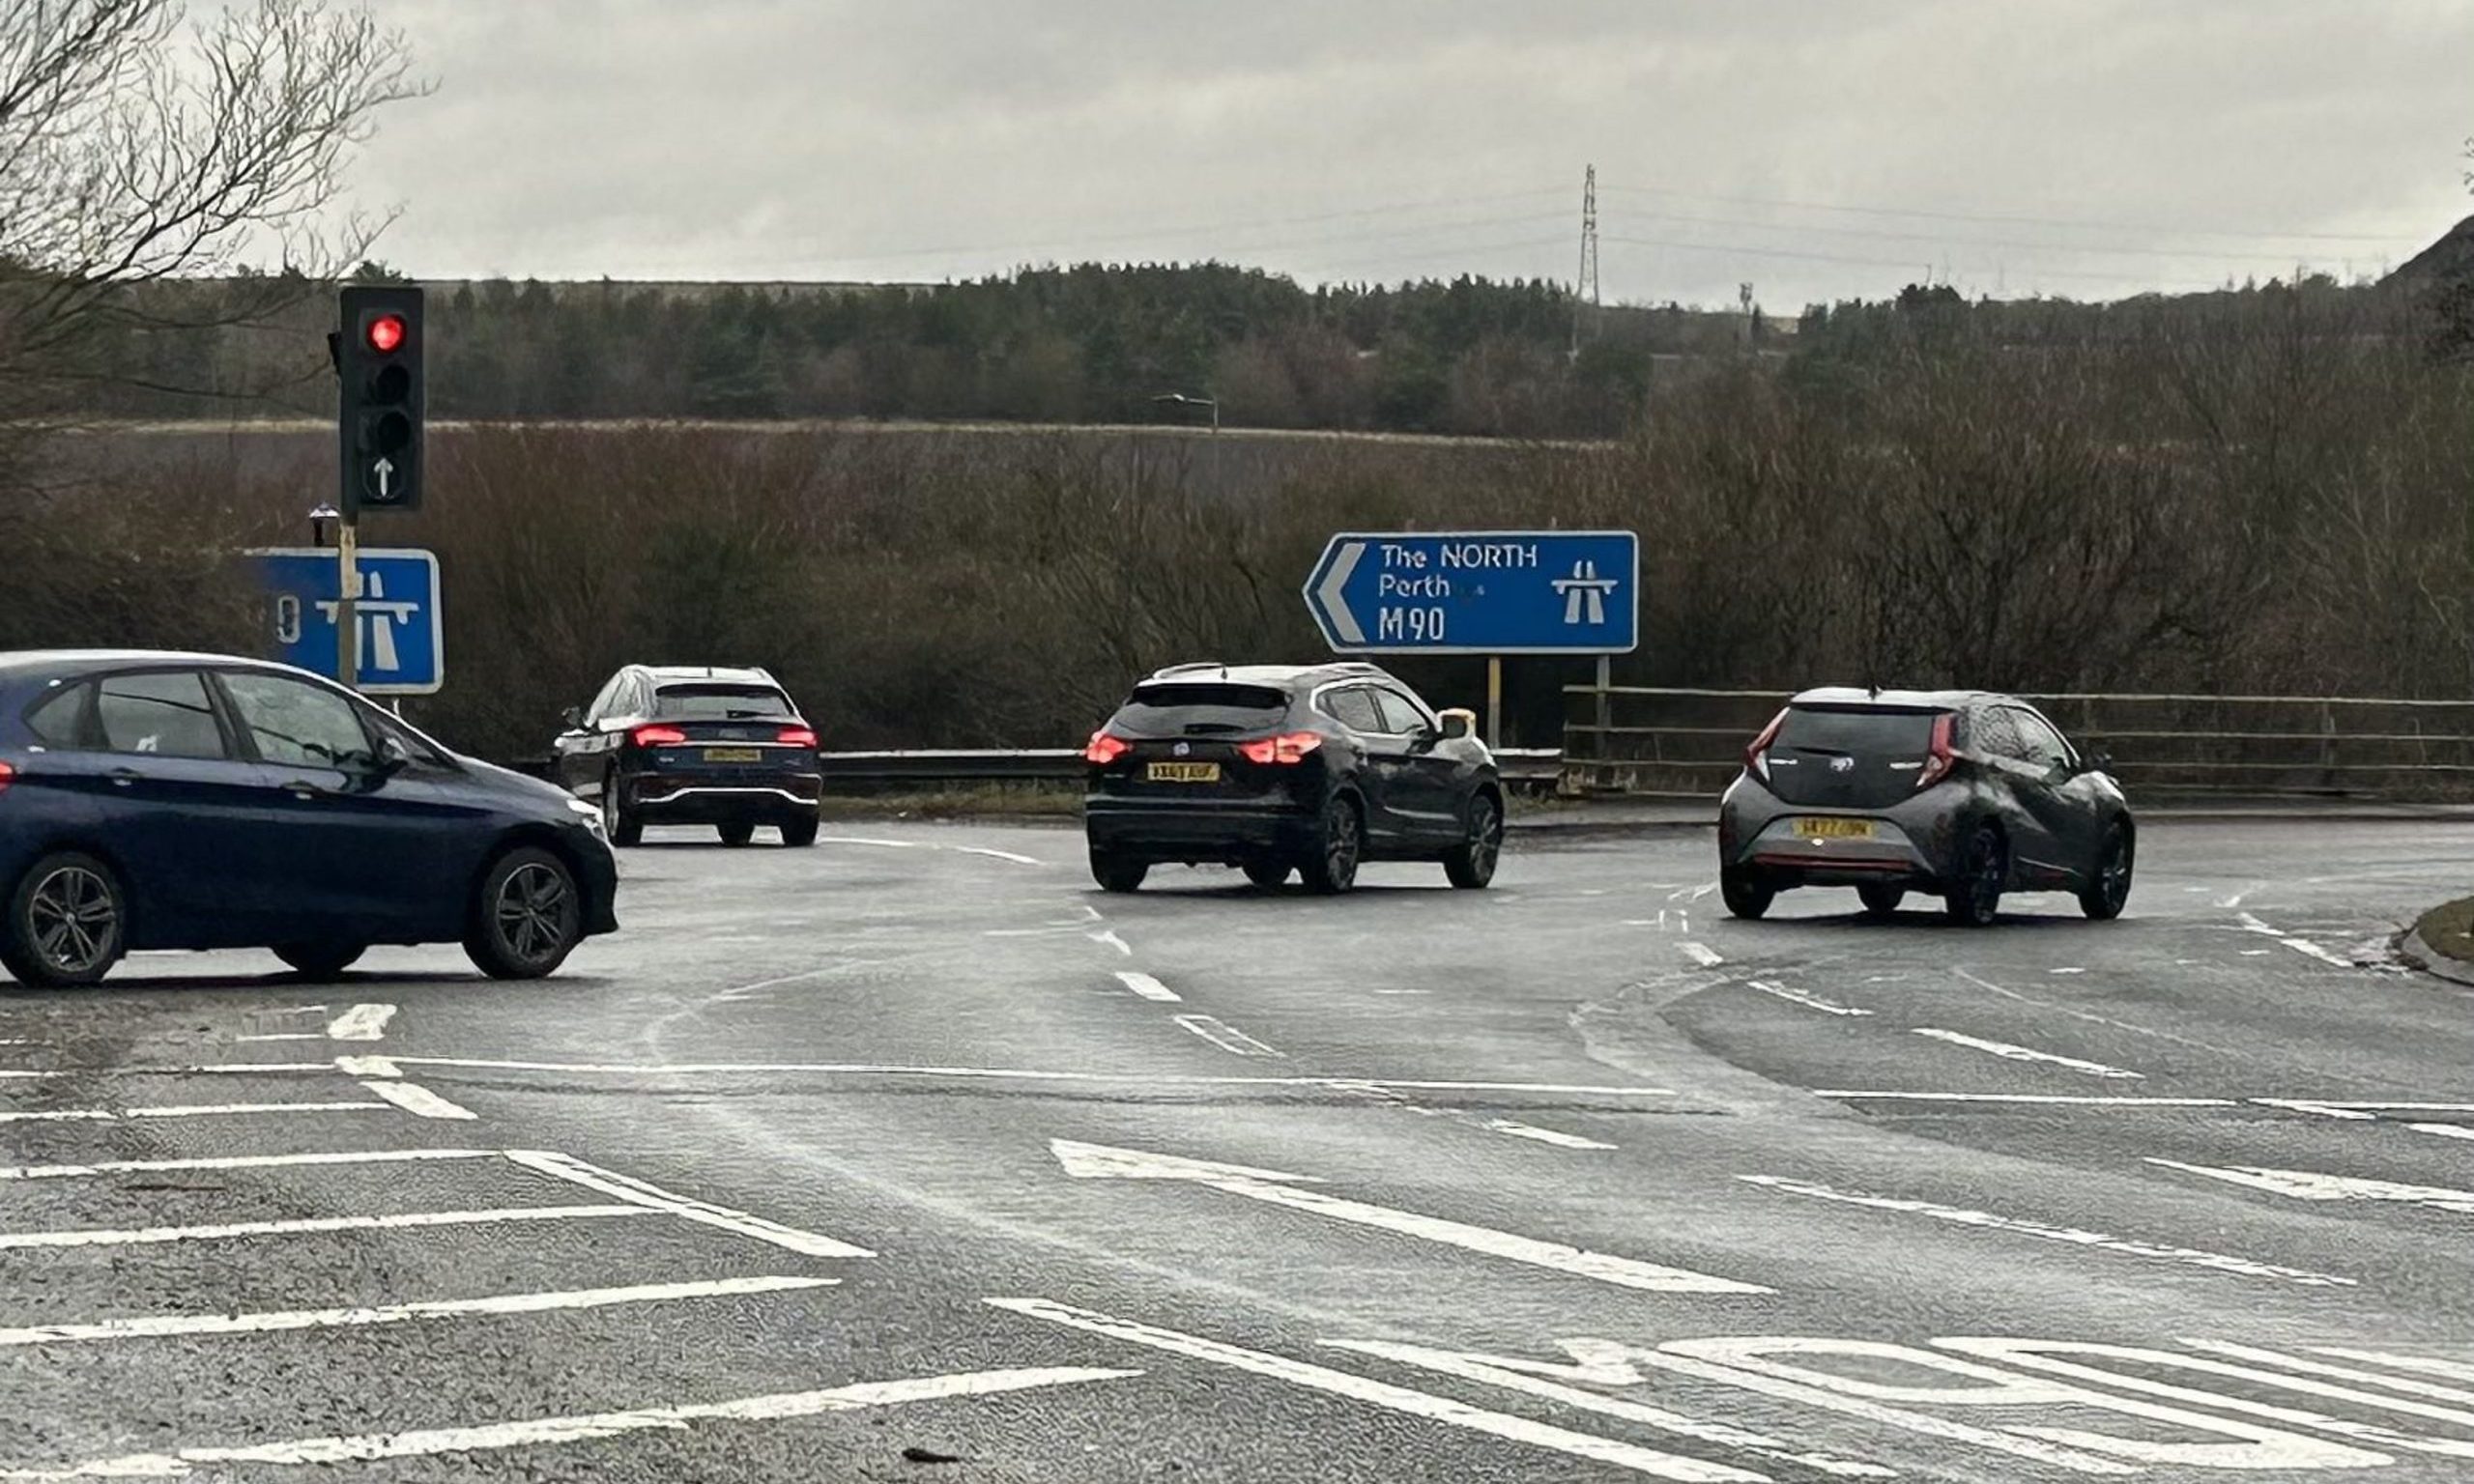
(402,644)
(1479,592)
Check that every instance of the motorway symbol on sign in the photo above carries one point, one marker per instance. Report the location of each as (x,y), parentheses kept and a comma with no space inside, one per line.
(402,643)
(1479,592)
(1102,1161)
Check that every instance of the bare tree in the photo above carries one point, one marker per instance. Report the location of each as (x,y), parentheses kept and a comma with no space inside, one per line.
(136,146)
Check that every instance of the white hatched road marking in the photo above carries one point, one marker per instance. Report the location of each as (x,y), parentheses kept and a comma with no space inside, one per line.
(2444,1131)
(367,1066)
(238,1163)
(418,1101)
(1380,1393)
(1701,953)
(180,1110)
(2307,1185)
(146,1235)
(626,1188)
(361,1023)
(1476,1368)
(1554,1136)
(2009,1052)
(1228,1038)
(2317,1109)
(1147,986)
(2070,1235)
(427,1443)
(1030,1075)
(2062,1099)
(159,1326)
(1799,997)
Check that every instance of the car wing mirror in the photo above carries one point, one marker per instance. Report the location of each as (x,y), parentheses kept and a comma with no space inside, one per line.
(574,716)
(1456,723)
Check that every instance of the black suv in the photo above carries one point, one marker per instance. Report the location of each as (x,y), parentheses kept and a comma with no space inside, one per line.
(1279,767)
(693,745)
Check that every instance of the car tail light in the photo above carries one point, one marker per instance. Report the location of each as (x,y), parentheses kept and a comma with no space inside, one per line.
(1938,761)
(1755,758)
(656,736)
(1105,748)
(1289,747)
(7,774)
(797,736)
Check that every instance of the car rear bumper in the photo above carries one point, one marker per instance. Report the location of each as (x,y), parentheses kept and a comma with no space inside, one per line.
(674,798)
(1761,834)
(1197,830)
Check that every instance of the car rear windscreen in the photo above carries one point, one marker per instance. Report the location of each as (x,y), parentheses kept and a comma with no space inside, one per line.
(1200,710)
(1858,732)
(719,702)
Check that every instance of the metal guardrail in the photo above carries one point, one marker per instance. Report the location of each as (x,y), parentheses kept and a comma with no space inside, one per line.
(1526,768)
(1673,740)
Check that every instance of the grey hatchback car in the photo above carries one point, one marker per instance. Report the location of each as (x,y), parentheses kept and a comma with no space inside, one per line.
(1962,794)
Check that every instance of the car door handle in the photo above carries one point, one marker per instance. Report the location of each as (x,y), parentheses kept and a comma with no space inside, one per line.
(303,788)
(122,777)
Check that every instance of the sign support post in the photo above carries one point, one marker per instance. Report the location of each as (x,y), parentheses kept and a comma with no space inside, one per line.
(1605,702)
(348,601)
(1494,700)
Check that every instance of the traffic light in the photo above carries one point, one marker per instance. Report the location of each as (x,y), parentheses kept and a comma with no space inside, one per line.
(377,356)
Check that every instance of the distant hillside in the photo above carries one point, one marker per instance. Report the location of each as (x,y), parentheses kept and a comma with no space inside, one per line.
(2449,260)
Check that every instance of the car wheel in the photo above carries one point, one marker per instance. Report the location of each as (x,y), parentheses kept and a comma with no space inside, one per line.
(1882,900)
(2108,888)
(1267,873)
(1333,868)
(1746,895)
(526,915)
(618,821)
(1115,874)
(68,922)
(1975,899)
(1472,863)
(800,831)
(735,834)
(320,961)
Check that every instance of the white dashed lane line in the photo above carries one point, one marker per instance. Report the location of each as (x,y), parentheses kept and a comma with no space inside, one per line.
(1147,987)
(1228,1038)
(2009,1052)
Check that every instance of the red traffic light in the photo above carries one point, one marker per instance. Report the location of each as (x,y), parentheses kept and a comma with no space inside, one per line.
(386,332)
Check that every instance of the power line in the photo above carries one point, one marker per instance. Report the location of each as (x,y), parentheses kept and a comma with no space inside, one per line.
(2014,221)
(2282,259)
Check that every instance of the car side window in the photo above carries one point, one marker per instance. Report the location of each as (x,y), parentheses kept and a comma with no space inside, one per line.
(60,721)
(1400,714)
(296,723)
(2039,744)
(1353,709)
(1993,731)
(608,696)
(165,713)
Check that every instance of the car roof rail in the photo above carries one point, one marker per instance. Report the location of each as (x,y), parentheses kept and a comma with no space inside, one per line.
(1191,664)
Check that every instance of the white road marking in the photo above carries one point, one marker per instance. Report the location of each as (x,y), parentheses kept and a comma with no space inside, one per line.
(418,1101)
(2252,924)
(286,1036)
(2336,1372)
(1554,1136)
(367,1066)
(238,1162)
(2257,953)
(627,1187)
(2430,1365)
(181,1110)
(1799,997)
(2444,1131)
(1478,1368)
(428,1442)
(2009,1052)
(999,855)
(2065,971)
(1109,936)
(2064,1099)
(2308,949)
(361,1023)
(1147,986)
(160,1325)
(2321,1109)
(857,839)
(1228,1038)
(1018,1073)
(2306,1186)
(233,1068)
(221,1231)
(28,1072)
(1272,1187)
(1404,991)
(1701,953)
(1384,1394)
(2069,1235)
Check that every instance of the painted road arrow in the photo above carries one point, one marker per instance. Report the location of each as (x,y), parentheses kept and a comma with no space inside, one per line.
(1275,1187)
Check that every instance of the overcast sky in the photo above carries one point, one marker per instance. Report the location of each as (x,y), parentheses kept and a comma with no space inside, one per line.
(2088,148)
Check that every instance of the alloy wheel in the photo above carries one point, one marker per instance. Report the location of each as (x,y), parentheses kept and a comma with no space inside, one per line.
(530,904)
(72,921)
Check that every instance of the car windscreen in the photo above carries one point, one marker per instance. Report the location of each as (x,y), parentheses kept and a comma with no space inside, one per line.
(1200,710)
(1859,731)
(719,702)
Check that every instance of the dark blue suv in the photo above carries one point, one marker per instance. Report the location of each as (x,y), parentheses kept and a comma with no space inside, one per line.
(192,801)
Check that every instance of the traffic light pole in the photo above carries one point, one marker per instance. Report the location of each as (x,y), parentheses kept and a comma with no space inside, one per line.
(348,602)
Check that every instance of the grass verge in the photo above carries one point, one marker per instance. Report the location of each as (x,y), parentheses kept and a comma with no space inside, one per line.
(2449,930)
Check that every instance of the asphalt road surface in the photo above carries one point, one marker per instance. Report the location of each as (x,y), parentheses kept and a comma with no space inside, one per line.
(912,1157)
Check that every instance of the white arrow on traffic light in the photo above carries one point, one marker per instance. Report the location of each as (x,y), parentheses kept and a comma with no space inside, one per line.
(1331,593)
(384,468)
(1102,1161)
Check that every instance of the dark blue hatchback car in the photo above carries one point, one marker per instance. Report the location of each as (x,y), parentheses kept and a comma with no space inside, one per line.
(191,801)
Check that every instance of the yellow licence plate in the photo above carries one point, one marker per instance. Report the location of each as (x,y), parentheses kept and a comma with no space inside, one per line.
(1834,829)
(1182,772)
(732,754)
